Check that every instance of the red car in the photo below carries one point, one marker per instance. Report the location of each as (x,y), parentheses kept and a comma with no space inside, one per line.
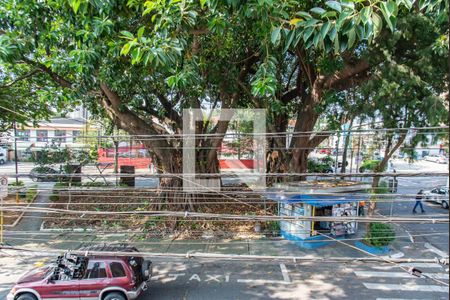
(85,278)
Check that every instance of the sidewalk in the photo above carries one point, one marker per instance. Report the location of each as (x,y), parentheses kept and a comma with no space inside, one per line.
(401,247)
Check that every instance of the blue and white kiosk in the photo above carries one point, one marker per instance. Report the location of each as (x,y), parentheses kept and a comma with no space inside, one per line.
(318,198)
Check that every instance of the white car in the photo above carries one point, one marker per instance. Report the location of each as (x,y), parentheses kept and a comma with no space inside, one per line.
(3,154)
(440,159)
(438,194)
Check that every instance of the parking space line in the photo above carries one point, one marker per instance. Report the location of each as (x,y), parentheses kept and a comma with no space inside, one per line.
(406,287)
(436,250)
(285,273)
(369,274)
(421,265)
(262,281)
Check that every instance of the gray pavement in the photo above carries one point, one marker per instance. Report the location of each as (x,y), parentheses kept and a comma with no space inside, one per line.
(421,233)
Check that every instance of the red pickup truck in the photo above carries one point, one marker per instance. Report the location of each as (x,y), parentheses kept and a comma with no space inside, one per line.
(85,278)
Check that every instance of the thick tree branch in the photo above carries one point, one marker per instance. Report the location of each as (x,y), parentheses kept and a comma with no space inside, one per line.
(345,74)
(57,78)
(168,107)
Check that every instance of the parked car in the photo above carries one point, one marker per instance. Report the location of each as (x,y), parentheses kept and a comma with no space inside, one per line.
(439,195)
(3,155)
(44,174)
(102,277)
(440,159)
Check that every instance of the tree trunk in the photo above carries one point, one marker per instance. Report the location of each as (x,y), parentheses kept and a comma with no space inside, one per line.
(346,143)
(376,179)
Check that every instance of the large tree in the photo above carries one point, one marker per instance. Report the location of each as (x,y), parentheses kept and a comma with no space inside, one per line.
(141,63)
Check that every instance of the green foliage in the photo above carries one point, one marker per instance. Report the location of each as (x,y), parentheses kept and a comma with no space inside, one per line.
(322,165)
(31,193)
(160,57)
(379,234)
(370,165)
(16,184)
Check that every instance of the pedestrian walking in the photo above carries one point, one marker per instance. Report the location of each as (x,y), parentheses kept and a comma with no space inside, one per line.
(419,198)
(361,208)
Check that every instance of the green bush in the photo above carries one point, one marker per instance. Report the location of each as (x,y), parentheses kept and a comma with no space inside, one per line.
(14,184)
(379,234)
(370,165)
(31,192)
(321,165)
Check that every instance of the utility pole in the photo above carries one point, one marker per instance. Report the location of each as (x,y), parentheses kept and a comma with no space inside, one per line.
(15,152)
(358,154)
(336,164)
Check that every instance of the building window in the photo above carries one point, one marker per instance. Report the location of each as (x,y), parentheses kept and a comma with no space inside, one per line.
(23,135)
(42,135)
(60,136)
(76,134)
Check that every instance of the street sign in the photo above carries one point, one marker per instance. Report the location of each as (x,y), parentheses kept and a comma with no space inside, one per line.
(3,187)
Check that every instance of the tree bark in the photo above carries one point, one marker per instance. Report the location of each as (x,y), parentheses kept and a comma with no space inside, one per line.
(376,180)
(344,153)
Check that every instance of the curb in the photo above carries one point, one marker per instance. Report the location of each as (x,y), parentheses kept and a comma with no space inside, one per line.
(57,230)
(372,249)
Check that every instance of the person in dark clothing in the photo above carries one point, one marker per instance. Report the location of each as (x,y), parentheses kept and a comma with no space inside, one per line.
(419,198)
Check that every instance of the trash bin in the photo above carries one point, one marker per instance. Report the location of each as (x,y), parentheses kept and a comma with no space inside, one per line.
(129,181)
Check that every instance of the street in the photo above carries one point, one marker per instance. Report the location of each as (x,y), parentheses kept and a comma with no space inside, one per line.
(189,279)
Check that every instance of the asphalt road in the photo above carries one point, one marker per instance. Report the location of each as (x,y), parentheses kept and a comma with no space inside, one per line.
(187,279)
(410,186)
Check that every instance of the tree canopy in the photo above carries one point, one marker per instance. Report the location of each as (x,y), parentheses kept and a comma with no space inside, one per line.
(141,63)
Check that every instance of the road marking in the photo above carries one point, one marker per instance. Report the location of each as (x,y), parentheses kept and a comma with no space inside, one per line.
(213,277)
(195,277)
(406,287)
(262,281)
(436,250)
(398,299)
(285,273)
(175,276)
(398,274)
(421,265)
(396,255)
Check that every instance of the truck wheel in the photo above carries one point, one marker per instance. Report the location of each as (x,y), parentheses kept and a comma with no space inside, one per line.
(445,204)
(114,296)
(26,296)
(2,161)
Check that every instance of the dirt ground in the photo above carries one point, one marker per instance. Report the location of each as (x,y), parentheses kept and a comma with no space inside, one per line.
(232,201)
(9,217)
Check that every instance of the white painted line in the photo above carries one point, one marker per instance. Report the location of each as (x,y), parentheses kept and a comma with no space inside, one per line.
(398,299)
(436,250)
(262,281)
(395,255)
(421,265)
(398,274)
(285,273)
(406,287)
(411,238)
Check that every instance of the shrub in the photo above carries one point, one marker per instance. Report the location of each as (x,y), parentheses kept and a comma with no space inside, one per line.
(321,165)
(369,165)
(379,234)
(19,183)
